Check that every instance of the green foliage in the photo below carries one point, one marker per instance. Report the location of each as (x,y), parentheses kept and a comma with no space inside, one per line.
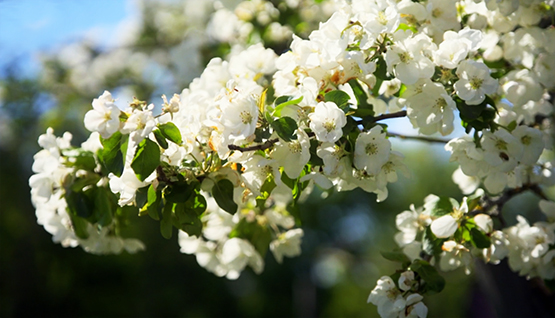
(111,156)
(222,191)
(171,132)
(258,234)
(396,256)
(285,127)
(434,282)
(431,245)
(363,109)
(441,207)
(146,159)
(283,101)
(340,98)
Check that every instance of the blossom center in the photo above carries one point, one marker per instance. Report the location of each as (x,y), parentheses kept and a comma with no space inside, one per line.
(246,117)
(526,140)
(476,83)
(405,57)
(437,12)
(329,125)
(382,19)
(441,103)
(371,149)
(501,144)
(295,147)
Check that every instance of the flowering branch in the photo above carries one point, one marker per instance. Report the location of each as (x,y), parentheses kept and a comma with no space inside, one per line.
(422,138)
(269,143)
(400,114)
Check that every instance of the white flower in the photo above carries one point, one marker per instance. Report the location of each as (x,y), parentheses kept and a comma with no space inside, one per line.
(431,110)
(287,244)
(239,115)
(126,186)
(294,155)
(455,255)
(238,253)
(521,86)
(104,117)
(445,226)
(456,46)
(532,143)
(467,184)
(474,82)
(326,121)
(406,280)
(409,223)
(470,158)
(173,105)
(484,222)
(502,151)
(372,150)
(140,122)
(414,307)
(498,249)
(387,297)
(406,57)
(331,155)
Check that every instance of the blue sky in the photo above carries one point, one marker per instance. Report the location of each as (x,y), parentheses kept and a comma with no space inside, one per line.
(27,26)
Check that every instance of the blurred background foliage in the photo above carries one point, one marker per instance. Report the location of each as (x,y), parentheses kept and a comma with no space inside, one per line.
(160,53)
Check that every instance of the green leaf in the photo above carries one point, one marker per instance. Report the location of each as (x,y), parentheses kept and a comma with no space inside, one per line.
(79,208)
(160,138)
(141,196)
(404,27)
(110,156)
(166,224)
(314,159)
(79,204)
(283,101)
(260,236)
(469,112)
(479,238)
(171,132)
(381,68)
(395,256)
(223,194)
(153,205)
(147,158)
(285,127)
(103,207)
(80,226)
(434,281)
(363,107)
(180,192)
(431,245)
(80,159)
(340,98)
(440,207)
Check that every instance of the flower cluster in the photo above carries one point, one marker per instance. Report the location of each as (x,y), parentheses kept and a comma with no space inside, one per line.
(59,172)
(393,301)
(228,160)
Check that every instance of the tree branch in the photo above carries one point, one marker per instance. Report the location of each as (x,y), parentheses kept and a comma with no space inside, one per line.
(402,113)
(504,198)
(269,143)
(421,138)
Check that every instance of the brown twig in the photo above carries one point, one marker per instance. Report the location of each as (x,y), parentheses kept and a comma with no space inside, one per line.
(421,138)
(400,114)
(269,143)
